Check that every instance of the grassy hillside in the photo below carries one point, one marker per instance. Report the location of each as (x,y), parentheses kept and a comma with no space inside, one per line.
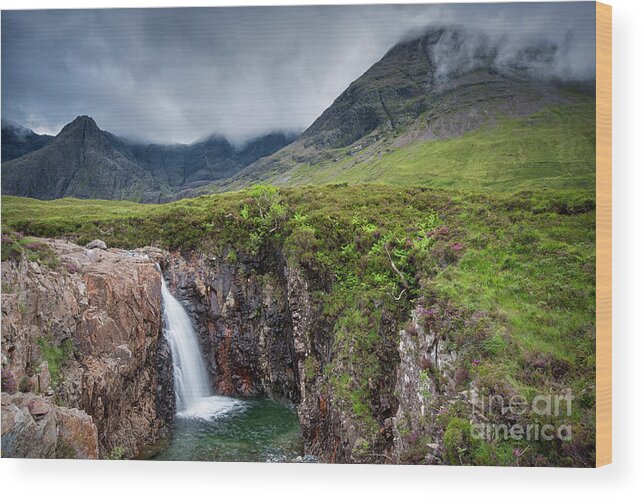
(553,148)
(524,262)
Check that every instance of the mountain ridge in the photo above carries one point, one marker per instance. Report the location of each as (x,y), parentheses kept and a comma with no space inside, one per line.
(132,170)
(435,87)
(78,162)
(432,89)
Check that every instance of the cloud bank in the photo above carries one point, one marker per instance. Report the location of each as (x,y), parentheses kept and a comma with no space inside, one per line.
(177,75)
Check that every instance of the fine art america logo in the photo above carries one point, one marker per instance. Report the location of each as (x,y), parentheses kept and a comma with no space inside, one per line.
(545,417)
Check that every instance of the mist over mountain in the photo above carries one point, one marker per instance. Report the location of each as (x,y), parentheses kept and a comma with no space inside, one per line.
(436,85)
(18,140)
(181,165)
(440,84)
(459,75)
(171,75)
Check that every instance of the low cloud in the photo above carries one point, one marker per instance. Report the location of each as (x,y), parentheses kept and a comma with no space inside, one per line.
(177,75)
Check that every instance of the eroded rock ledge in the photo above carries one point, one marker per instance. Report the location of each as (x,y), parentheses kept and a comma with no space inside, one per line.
(82,338)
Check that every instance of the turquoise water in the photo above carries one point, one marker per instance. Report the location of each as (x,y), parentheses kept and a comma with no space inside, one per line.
(254,430)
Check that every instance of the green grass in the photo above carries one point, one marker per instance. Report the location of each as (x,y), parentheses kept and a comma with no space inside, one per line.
(55,355)
(554,148)
(16,245)
(523,262)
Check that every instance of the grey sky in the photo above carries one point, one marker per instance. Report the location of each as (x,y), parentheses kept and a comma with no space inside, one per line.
(176,75)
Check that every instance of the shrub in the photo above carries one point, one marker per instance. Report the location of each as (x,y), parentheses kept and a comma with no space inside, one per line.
(11,248)
(446,254)
(72,267)
(303,244)
(495,344)
(42,253)
(310,368)
(232,257)
(458,441)
(411,329)
(116,454)
(55,355)
(25,385)
(64,450)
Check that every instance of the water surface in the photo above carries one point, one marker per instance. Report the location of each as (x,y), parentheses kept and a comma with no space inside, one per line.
(250,430)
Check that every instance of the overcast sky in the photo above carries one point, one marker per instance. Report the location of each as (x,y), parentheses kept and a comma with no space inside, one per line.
(177,75)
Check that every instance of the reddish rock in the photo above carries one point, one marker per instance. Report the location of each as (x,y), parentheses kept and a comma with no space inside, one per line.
(77,430)
(39,408)
(105,318)
(32,427)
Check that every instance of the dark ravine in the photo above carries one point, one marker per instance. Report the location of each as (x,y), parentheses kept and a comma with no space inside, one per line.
(254,318)
(259,330)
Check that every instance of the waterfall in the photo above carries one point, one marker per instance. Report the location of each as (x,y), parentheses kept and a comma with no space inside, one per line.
(194,397)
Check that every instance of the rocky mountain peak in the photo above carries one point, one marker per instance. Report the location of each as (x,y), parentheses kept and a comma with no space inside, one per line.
(81,123)
(445,71)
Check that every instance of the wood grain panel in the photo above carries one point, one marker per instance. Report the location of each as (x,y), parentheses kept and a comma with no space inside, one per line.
(603,234)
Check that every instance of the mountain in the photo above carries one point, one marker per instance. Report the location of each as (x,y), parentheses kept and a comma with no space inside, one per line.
(441,87)
(84,161)
(81,161)
(185,166)
(18,140)
(446,108)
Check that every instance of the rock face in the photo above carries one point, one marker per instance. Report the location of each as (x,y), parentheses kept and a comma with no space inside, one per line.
(244,321)
(85,332)
(421,396)
(438,73)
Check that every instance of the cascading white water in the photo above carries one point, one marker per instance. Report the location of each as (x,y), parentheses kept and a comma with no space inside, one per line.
(194,397)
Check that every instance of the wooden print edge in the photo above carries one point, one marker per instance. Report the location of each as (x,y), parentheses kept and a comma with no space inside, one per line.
(603,234)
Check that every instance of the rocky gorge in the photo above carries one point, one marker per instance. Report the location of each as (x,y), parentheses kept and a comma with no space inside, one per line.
(361,309)
(83,342)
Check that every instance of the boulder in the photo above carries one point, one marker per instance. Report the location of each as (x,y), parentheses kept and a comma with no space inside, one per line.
(96,244)
(32,427)
(38,408)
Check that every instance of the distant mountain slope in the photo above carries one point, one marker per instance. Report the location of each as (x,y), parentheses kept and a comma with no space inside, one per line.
(552,148)
(18,140)
(431,89)
(446,108)
(86,162)
(182,166)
